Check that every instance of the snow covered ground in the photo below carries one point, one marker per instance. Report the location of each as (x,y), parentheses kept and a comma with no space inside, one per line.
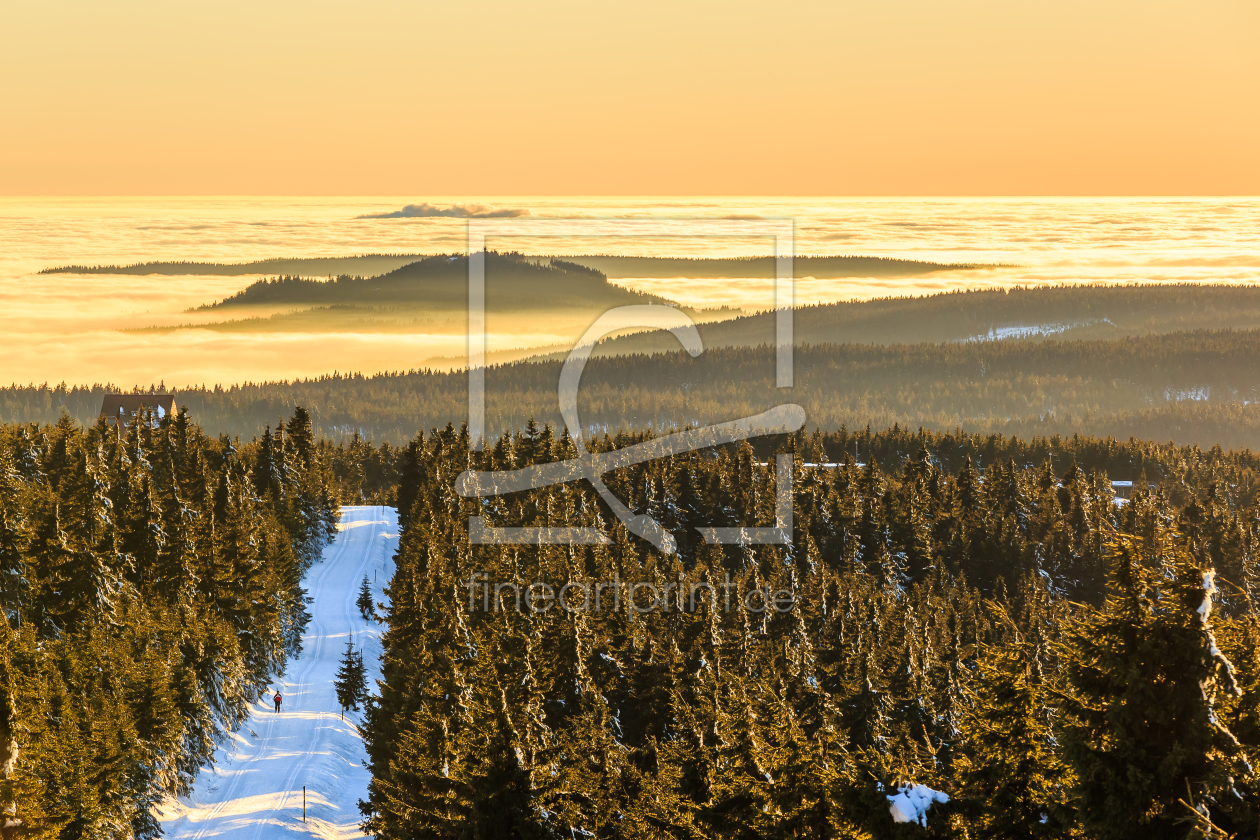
(254,791)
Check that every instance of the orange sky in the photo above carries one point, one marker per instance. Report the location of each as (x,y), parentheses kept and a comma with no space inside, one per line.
(885,97)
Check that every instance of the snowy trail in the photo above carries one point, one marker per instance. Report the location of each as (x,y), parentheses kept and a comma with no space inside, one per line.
(254,790)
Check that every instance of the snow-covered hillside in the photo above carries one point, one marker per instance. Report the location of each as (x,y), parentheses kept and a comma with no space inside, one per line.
(254,790)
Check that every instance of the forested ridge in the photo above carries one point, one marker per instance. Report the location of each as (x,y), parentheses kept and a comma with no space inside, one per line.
(151,586)
(370,265)
(513,282)
(981,643)
(410,300)
(1189,387)
(1077,312)
(363,264)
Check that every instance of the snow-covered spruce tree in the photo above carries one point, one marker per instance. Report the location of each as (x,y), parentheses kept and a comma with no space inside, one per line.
(590,794)
(21,814)
(351,681)
(174,574)
(1014,784)
(739,784)
(300,487)
(1240,641)
(803,772)
(265,474)
(15,580)
(364,602)
(1151,756)
(867,711)
(301,437)
(130,666)
(487,791)
(76,548)
(713,722)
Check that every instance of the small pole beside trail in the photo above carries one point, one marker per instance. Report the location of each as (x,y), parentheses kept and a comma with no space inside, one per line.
(303,803)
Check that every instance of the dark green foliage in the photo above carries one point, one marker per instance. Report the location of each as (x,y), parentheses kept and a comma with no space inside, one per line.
(939,612)
(22,814)
(314,266)
(614,266)
(1188,387)
(1144,734)
(1037,313)
(513,281)
(351,680)
(148,590)
(1012,776)
(364,602)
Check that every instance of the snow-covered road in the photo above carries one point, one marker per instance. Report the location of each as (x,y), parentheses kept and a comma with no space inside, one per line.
(254,791)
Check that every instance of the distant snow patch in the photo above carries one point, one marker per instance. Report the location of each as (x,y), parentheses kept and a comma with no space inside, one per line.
(1032,330)
(1178,394)
(911,803)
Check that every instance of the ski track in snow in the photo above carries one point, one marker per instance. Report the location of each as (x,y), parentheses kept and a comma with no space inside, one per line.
(254,789)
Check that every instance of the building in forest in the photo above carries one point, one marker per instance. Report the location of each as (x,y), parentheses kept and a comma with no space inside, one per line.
(1125,489)
(121,408)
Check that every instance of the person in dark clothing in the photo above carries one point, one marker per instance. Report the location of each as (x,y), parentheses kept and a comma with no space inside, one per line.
(278,700)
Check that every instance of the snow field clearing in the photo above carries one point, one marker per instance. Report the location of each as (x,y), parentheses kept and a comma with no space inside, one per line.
(254,789)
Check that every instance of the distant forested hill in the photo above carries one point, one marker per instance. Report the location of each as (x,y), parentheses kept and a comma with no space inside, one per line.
(370,265)
(395,301)
(429,296)
(1198,387)
(367,264)
(1077,312)
(512,283)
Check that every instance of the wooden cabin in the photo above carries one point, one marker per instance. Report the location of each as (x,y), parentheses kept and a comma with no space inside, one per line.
(122,408)
(1126,489)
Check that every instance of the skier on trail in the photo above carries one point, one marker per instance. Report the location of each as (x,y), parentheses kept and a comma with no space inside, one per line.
(278,700)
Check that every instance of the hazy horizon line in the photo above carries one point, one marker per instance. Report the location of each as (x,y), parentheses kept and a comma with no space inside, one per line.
(981,196)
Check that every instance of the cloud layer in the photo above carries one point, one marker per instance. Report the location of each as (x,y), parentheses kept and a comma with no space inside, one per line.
(62,327)
(426,210)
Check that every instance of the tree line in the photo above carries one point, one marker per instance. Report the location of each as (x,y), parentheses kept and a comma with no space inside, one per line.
(373,265)
(1189,387)
(1077,312)
(990,650)
(513,282)
(150,587)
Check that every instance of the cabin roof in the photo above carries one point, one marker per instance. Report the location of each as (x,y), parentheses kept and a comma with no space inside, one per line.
(118,405)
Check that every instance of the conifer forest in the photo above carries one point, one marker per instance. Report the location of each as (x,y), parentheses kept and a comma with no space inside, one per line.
(968,637)
(383,459)
(151,587)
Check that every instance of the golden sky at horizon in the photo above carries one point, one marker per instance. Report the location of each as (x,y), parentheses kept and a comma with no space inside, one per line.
(902,97)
